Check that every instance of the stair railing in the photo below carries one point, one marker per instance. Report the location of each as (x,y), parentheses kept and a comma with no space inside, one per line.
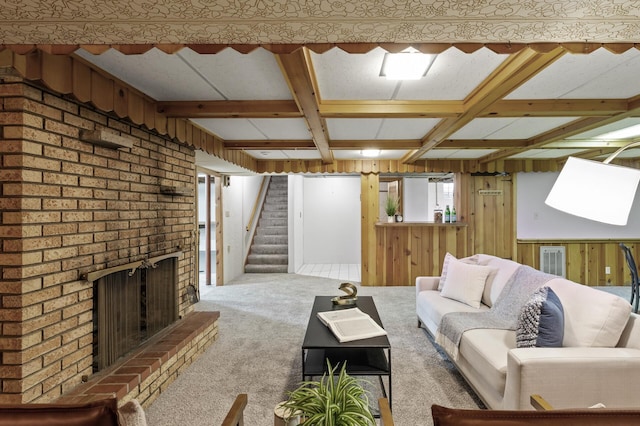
(253,222)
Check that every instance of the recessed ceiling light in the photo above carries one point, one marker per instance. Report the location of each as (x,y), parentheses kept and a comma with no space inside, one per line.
(406,65)
(370,152)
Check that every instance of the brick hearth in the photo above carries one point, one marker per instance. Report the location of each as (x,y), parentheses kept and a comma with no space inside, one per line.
(147,372)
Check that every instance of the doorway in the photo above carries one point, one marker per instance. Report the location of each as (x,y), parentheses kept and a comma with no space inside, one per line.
(207,227)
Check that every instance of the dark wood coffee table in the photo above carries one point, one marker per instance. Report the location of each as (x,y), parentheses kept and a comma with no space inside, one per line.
(366,357)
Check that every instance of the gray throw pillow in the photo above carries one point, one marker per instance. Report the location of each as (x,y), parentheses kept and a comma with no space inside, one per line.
(541,321)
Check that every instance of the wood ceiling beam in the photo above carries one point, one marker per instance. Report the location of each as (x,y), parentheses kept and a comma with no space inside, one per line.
(391,109)
(556,108)
(297,72)
(334,144)
(571,129)
(481,143)
(230,109)
(375,144)
(512,73)
(269,144)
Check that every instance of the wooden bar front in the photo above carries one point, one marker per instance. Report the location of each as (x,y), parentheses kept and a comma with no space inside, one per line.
(407,250)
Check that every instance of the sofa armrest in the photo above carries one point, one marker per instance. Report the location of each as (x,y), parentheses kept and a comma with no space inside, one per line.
(573,377)
(426,283)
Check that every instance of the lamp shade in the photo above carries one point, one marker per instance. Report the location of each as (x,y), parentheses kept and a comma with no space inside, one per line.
(595,190)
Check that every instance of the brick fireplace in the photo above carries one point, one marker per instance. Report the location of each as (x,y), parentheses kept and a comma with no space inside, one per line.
(70,208)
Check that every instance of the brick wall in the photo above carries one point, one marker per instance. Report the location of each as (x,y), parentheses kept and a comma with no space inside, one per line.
(70,207)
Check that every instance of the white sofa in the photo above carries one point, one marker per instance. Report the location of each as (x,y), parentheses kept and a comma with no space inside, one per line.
(599,361)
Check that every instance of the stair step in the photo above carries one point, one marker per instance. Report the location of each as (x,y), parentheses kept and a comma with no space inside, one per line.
(271,230)
(275,207)
(269,249)
(271,239)
(275,214)
(268,259)
(273,221)
(266,269)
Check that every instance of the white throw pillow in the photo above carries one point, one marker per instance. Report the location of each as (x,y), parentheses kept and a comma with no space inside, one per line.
(472,260)
(465,283)
(132,414)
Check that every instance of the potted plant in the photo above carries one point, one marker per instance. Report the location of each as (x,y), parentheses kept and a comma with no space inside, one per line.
(332,401)
(391,207)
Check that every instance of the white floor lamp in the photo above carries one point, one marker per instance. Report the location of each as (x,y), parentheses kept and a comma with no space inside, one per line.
(596,190)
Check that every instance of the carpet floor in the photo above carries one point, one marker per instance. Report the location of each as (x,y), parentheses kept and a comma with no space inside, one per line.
(262,322)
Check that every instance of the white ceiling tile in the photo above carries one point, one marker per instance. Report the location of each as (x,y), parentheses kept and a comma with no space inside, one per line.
(354,128)
(282,128)
(240,76)
(453,75)
(406,128)
(624,123)
(356,154)
(255,128)
(509,128)
(341,75)
(600,74)
(456,153)
(230,129)
(162,76)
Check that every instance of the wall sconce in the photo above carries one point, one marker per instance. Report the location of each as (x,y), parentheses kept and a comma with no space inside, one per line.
(596,190)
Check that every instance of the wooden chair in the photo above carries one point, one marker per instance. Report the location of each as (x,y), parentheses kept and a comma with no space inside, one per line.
(386,419)
(635,284)
(235,415)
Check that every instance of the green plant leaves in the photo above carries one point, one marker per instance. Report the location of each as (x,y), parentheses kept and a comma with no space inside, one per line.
(332,401)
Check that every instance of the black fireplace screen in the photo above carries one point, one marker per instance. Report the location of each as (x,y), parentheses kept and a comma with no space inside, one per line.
(131,306)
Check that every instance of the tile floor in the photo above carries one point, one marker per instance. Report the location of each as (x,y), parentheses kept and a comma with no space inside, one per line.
(346,271)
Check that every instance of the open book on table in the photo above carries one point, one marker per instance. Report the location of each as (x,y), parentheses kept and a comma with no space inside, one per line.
(351,324)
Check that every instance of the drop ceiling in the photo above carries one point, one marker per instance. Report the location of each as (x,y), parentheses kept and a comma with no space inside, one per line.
(301,80)
(362,110)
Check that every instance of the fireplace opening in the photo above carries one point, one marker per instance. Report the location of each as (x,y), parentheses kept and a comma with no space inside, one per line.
(132,305)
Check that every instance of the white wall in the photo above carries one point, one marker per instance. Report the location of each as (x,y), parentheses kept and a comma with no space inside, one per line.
(238,200)
(536,220)
(415,199)
(331,213)
(296,223)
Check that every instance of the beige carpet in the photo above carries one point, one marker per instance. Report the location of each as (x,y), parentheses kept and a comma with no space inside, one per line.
(263,318)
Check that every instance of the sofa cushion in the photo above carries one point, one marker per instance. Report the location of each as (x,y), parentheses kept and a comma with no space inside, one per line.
(592,318)
(432,307)
(541,321)
(465,282)
(486,349)
(471,260)
(505,268)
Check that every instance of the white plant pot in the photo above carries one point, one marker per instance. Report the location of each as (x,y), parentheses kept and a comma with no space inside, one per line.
(391,219)
(280,413)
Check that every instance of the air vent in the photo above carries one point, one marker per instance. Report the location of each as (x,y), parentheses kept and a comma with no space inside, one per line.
(553,260)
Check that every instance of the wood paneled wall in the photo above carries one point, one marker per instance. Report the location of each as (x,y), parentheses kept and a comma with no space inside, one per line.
(586,260)
(406,251)
(403,251)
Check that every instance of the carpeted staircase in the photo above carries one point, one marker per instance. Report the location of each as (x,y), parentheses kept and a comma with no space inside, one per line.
(270,251)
